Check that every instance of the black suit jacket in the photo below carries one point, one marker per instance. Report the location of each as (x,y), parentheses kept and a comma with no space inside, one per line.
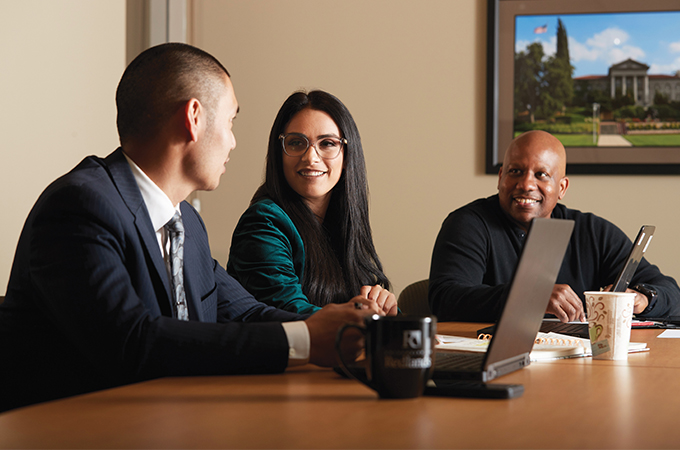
(88,302)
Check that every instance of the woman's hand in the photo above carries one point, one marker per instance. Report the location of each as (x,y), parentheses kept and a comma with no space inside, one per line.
(384,299)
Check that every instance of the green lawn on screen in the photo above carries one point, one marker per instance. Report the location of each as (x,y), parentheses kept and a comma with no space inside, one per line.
(571,140)
(638,140)
(576,140)
(654,140)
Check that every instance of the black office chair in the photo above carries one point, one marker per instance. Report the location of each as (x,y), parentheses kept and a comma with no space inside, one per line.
(413,299)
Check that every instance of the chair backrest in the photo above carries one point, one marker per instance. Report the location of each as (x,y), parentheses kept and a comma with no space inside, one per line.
(413,299)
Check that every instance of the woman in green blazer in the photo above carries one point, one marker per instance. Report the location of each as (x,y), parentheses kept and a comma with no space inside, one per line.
(305,241)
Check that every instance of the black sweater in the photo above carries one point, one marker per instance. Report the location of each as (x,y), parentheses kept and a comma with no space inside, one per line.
(478,247)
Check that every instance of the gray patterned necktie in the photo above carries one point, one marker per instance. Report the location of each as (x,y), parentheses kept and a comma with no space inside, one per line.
(175,230)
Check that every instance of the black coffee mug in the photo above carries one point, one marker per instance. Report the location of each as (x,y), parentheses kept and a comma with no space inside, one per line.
(399,354)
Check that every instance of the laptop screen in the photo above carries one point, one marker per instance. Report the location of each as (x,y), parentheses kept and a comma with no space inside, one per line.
(530,290)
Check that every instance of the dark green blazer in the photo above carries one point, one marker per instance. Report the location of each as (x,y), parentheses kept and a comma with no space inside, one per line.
(267,257)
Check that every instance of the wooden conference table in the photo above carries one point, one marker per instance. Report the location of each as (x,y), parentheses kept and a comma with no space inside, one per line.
(574,403)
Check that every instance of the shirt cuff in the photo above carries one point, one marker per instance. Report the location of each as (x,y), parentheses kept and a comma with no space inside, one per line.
(298,342)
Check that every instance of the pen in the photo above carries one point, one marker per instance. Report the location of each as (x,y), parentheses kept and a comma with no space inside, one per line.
(645,324)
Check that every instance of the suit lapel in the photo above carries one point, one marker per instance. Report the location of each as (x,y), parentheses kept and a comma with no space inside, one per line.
(127,186)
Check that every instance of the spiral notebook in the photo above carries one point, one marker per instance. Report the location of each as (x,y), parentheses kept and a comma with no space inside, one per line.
(525,304)
(547,346)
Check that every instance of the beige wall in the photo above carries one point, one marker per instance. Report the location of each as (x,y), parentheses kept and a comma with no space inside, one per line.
(60,62)
(413,75)
(411,72)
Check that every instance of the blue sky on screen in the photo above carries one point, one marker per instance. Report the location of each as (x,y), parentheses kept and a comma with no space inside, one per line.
(596,41)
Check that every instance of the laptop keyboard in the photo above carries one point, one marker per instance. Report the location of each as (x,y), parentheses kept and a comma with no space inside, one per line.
(459,361)
(572,329)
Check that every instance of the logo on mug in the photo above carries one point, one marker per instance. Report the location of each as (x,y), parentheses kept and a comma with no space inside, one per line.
(413,339)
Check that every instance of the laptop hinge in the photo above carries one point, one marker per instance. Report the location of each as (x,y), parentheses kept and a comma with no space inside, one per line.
(506,366)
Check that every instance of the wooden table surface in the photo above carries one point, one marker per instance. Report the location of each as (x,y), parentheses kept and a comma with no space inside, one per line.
(573,403)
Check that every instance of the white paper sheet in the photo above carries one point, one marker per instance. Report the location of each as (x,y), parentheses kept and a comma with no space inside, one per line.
(670,334)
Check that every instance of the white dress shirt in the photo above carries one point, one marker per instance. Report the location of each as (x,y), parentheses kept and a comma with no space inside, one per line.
(161,210)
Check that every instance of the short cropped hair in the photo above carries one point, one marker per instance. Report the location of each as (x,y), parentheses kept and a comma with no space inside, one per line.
(160,80)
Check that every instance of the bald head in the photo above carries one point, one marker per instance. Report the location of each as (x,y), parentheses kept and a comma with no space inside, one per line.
(537,141)
(532,178)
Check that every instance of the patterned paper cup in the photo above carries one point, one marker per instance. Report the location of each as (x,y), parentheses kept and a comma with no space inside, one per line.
(610,315)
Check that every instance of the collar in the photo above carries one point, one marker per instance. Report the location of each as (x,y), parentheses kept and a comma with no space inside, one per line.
(157,203)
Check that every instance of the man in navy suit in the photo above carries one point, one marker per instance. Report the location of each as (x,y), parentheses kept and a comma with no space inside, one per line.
(89,304)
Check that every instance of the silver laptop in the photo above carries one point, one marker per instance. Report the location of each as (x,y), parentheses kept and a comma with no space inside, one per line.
(523,311)
(637,251)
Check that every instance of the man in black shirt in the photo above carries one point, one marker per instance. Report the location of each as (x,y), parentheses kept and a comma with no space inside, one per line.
(479,244)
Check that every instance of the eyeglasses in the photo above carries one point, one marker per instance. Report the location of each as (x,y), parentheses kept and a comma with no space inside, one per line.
(296,144)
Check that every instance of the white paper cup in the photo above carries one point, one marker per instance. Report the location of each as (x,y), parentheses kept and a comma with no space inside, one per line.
(610,315)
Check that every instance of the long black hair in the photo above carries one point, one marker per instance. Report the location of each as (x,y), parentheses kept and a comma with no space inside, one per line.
(339,253)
